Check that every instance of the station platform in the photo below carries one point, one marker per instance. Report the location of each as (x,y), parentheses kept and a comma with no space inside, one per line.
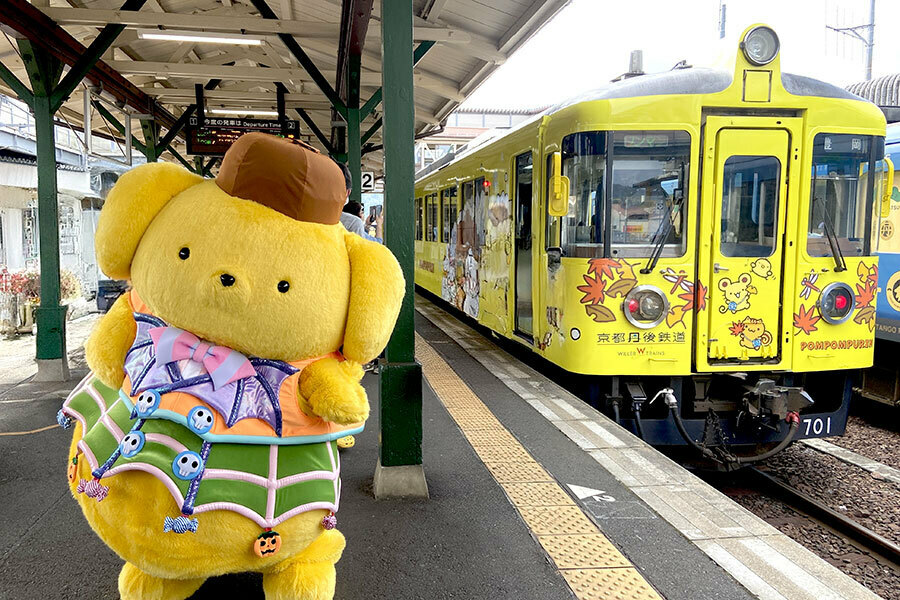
(533,495)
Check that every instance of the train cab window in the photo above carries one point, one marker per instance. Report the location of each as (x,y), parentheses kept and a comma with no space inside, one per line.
(649,185)
(624,187)
(449,209)
(841,192)
(419,218)
(750,187)
(432,224)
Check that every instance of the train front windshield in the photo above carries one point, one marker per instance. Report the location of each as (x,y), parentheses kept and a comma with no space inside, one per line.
(841,192)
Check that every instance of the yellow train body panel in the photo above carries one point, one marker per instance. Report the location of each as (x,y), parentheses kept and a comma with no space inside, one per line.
(743,289)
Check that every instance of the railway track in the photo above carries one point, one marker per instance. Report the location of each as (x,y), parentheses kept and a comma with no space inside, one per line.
(877,545)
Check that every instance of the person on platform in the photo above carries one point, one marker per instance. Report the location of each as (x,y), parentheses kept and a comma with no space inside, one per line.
(352,217)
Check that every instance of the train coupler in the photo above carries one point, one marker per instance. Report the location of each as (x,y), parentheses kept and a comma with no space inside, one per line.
(766,398)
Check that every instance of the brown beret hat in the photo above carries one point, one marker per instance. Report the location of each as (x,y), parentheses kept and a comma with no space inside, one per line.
(286,175)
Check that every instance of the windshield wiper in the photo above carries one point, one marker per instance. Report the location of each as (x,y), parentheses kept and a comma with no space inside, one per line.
(839,264)
(662,234)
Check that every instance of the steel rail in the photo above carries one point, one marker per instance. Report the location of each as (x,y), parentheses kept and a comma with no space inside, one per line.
(868,539)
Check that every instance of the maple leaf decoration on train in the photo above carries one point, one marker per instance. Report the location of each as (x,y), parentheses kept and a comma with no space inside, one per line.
(805,320)
(737,328)
(594,291)
(603,267)
(695,300)
(867,274)
(865,295)
(611,278)
(693,296)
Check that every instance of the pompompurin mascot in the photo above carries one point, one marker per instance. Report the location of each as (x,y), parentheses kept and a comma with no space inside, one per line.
(204,437)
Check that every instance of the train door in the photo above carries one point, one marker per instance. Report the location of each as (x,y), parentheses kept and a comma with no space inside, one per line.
(745,202)
(523,203)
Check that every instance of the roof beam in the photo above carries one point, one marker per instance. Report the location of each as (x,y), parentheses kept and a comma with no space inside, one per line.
(478,45)
(355,15)
(205,71)
(297,51)
(87,60)
(432,82)
(26,21)
(537,14)
(433,9)
(225,95)
(254,25)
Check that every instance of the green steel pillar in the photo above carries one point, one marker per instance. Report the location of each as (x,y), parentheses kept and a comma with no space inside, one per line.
(354,146)
(198,165)
(151,137)
(400,471)
(44,71)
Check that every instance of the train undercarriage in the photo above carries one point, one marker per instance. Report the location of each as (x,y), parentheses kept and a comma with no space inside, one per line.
(730,419)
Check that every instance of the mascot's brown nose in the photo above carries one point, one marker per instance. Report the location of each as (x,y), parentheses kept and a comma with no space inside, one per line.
(226,279)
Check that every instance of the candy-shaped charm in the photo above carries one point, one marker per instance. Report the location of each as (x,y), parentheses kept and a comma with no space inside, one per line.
(92,489)
(64,421)
(180,524)
(268,543)
(330,521)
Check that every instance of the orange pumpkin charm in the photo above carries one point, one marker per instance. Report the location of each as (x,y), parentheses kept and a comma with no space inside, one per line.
(267,544)
(72,471)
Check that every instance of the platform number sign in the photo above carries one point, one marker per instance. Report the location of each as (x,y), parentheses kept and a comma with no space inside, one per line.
(368,181)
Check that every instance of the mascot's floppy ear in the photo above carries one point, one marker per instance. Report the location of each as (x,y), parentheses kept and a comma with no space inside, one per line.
(132,204)
(376,292)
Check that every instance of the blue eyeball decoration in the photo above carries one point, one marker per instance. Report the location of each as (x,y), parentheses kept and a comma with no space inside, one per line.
(147,402)
(132,443)
(200,420)
(187,465)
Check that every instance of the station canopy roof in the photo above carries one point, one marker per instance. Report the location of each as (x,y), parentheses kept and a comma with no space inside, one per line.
(470,40)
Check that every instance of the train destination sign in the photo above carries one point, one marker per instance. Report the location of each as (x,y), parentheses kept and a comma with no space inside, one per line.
(214,136)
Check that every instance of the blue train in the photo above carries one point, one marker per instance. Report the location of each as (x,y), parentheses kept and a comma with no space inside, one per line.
(882,381)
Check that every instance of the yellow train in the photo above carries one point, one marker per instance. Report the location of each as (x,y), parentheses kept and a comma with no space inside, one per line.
(696,242)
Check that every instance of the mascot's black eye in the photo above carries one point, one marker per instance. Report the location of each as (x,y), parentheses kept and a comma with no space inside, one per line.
(184,253)
(283,286)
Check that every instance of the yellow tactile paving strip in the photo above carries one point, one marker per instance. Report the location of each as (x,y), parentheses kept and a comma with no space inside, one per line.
(592,566)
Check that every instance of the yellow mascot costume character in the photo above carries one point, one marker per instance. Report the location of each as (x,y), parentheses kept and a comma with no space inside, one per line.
(204,437)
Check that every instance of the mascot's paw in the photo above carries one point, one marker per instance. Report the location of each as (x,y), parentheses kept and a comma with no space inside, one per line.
(134,584)
(332,391)
(311,575)
(109,342)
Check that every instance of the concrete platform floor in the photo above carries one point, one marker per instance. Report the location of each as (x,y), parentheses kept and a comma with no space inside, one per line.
(468,540)
(465,542)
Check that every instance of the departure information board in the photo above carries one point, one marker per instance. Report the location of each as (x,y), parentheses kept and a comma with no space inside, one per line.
(214,136)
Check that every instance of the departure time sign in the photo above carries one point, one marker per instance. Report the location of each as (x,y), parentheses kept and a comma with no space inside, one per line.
(214,136)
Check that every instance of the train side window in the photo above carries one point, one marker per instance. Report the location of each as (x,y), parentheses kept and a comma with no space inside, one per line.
(482,188)
(840,194)
(648,189)
(419,217)
(625,187)
(584,163)
(449,209)
(432,224)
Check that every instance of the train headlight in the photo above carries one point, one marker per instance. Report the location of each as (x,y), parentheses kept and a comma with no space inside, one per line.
(760,46)
(836,303)
(645,306)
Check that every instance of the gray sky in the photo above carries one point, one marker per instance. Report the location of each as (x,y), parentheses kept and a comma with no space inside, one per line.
(589,42)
